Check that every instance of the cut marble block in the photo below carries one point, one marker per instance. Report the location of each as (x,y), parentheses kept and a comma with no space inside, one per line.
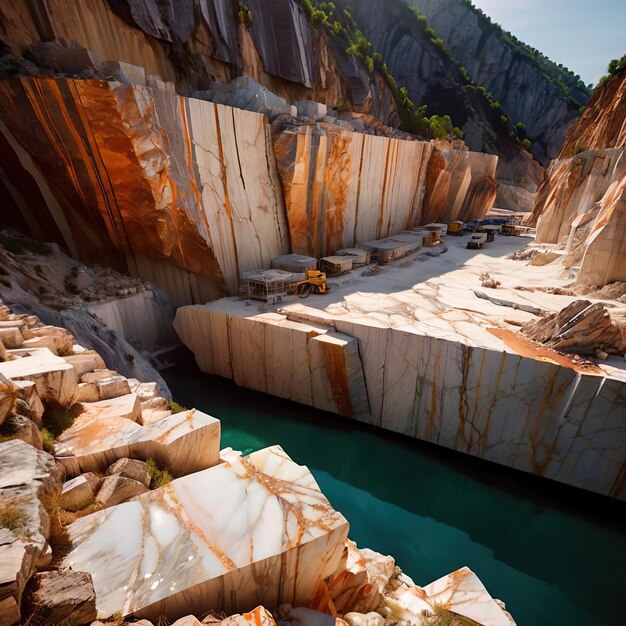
(263,533)
(268,352)
(462,592)
(485,392)
(85,362)
(55,378)
(183,443)
(9,392)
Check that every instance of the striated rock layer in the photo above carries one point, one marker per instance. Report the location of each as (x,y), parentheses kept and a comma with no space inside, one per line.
(193,42)
(582,203)
(342,188)
(187,194)
(111,167)
(489,394)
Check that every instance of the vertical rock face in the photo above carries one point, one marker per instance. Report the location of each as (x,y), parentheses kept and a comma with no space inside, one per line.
(501,400)
(144,172)
(459,185)
(342,187)
(189,194)
(582,203)
(525,90)
(193,42)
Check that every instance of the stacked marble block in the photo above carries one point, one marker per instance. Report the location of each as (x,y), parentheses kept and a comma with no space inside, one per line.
(306,362)
(474,394)
(250,530)
(228,533)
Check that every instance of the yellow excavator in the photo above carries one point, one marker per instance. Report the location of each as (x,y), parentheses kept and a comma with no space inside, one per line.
(315,282)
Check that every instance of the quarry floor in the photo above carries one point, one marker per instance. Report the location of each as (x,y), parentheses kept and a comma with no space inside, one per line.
(436,296)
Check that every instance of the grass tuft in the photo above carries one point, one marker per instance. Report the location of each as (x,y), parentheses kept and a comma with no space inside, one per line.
(158,477)
(12,518)
(177,408)
(48,441)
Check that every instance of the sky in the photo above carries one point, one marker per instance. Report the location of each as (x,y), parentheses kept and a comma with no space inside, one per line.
(583,35)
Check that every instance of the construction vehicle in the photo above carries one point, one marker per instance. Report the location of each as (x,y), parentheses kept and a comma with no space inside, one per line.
(315,282)
(477,240)
(455,228)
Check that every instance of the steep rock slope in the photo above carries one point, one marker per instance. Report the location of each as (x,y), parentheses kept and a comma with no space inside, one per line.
(582,203)
(106,167)
(192,43)
(525,89)
(342,187)
(431,77)
(194,194)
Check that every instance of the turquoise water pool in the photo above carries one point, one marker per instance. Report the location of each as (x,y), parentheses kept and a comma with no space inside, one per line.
(556,556)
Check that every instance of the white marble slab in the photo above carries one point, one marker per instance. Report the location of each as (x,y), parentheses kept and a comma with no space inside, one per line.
(252,530)
(462,592)
(183,442)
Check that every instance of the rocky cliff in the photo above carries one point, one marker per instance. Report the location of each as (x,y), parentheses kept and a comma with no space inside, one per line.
(193,43)
(425,68)
(545,101)
(194,194)
(582,204)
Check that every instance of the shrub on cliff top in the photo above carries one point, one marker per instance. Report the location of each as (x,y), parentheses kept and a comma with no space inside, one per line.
(614,68)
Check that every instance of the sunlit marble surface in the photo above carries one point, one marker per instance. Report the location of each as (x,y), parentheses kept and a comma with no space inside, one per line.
(252,530)
(462,592)
(183,442)
(438,363)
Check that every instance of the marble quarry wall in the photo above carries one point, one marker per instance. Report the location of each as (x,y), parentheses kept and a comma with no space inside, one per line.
(582,204)
(190,195)
(492,402)
(342,188)
(147,173)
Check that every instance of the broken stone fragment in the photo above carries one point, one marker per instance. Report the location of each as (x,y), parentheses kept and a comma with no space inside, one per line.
(87,392)
(76,494)
(131,468)
(11,337)
(359,619)
(65,596)
(116,489)
(259,617)
(97,375)
(580,328)
(106,431)
(463,593)
(85,361)
(360,579)
(9,611)
(157,404)
(8,395)
(21,427)
(93,480)
(60,340)
(54,378)
(112,387)
(28,393)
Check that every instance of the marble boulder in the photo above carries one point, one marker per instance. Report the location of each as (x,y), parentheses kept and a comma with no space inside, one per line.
(249,531)
(183,443)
